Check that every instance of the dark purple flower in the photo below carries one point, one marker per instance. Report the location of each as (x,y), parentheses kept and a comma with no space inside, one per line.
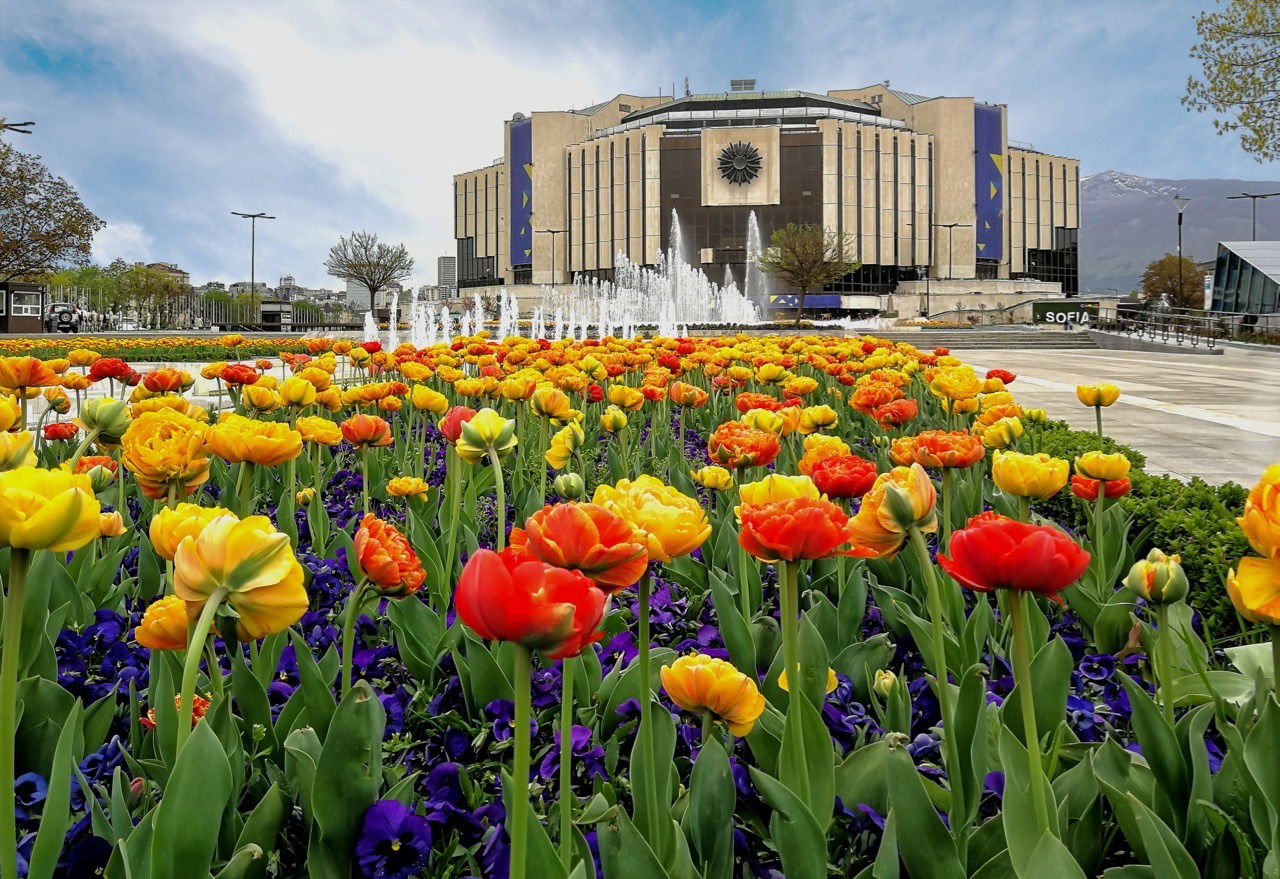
(29,789)
(1097,666)
(394,843)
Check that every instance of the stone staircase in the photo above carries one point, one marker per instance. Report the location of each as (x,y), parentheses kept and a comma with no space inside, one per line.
(987,338)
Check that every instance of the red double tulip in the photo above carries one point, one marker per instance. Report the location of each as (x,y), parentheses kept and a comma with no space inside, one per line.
(995,552)
(896,413)
(451,424)
(386,558)
(109,367)
(60,430)
(749,400)
(366,430)
(515,596)
(1086,488)
(1003,374)
(794,528)
(593,393)
(843,476)
(587,538)
(239,374)
(735,445)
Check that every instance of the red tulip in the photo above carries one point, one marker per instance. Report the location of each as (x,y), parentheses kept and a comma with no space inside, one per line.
(1003,374)
(844,476)
(794,528)
(896,413)
(593,393)
(514,596)
(586,538)
(371,347)
(60,430)
(1087,489)
(994,552)
(239,374)
(451,424)
(109,367)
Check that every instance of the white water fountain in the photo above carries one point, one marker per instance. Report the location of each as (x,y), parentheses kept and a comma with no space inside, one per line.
(393,320)
(370,327)
(755,281)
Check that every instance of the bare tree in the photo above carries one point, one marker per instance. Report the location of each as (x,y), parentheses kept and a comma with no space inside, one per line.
(43,224)
(362,258)
(807,257)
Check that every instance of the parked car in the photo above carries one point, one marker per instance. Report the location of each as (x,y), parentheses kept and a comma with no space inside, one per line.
(62,317)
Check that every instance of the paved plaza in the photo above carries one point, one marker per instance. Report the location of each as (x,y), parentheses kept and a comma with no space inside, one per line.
(1217,417)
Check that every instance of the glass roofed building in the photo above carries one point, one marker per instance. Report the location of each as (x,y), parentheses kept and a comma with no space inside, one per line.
(1246,277)
(924,187)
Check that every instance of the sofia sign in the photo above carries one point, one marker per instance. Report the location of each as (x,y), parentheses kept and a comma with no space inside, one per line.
(1075,311)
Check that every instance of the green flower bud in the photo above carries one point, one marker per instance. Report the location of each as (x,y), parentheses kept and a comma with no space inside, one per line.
(1158,578)
(570,486)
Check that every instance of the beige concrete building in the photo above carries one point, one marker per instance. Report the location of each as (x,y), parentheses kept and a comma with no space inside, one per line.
(925,188)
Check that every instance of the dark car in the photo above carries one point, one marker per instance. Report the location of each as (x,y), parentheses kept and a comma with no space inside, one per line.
(62,317)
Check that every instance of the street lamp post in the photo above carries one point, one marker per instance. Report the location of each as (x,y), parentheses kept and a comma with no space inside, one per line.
(1181,201)
(1253,203)
(949,227)
(253,235)
(553,233)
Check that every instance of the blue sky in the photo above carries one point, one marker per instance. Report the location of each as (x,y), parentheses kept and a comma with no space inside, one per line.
(336,115)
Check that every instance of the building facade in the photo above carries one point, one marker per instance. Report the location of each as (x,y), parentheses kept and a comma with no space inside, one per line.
(922,187)
(1246,278)
(447,272)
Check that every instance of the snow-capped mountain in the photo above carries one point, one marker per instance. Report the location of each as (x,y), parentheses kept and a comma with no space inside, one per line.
(1127,221)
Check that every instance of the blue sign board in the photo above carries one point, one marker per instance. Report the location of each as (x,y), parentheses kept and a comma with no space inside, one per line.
(520,185)
(988,177)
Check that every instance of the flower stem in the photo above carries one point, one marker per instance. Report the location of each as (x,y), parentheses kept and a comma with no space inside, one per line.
(364,477)
(1022,676)
(83,447)
(195,648)
(454,480)
(708,727)
(1164,671)
(787,588)
(744,589)
(517,826)
(349,633)
(1097,526)
(502,498)
(566,762)
(642,606)
(938,625)
(1097,413)
(18,559)
(541,462)
(946,508)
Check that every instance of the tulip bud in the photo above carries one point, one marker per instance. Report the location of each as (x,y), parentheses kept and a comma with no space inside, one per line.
(106,415)
(1158,578)
(881,440)
(613,419)
(1035,416)
(305,496)
(569,486)
(137,790)
(884,682)
(110,524)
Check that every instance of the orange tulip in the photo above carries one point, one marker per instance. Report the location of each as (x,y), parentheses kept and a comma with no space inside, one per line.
(735,445)
(386,559)
(586,538)
(794,528)
(366,430)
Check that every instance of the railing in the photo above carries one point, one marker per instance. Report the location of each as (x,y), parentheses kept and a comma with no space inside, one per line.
(981,313)
(1178,326)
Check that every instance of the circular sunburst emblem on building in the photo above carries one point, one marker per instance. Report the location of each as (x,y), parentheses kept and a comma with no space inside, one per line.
(740,163)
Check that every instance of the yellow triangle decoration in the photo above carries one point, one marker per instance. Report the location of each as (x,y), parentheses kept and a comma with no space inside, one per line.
(982,247)
(986,225)
(999,162)
(524,199)
(993,189)
(527,252)
(528,169)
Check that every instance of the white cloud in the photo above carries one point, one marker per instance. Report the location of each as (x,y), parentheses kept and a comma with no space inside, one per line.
(393,99)
(124,239)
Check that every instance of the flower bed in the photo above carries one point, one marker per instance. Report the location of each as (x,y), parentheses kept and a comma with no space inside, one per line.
(711,607)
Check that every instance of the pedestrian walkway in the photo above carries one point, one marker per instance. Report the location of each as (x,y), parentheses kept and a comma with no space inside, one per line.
(1213,417)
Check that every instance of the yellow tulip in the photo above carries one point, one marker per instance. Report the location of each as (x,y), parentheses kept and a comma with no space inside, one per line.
(164,624)
(318,430)
(408,486)
(903,497)
(249,564)
(625,397)
(1002,433)
(237,439)
(47,509)
(165,452)
(956,383)
(486,430)
(172,524)
(550,403)
(701,683)
(17,450)
(764,419)
(815,418)
(1098,465)
(713,477)
(1254,588)
(426,399)
(1038,475)
(297,392)
(110,524)
(776,487)
(1261,519)
(613,419)
(10,413)
(673,523)
(832,681)
(1097,395)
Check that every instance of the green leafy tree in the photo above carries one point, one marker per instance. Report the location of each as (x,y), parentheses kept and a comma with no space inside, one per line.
(362,258)
(153,295)
(43,224)
(1163,282)
(1239,51)
(807,257)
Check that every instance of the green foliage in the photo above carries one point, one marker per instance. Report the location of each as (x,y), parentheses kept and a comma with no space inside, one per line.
(1239,51)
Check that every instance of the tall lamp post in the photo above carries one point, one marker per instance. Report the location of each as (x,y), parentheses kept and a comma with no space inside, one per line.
(949,227)
(553,233)
(1181,201)
(1253,203)
(253,235)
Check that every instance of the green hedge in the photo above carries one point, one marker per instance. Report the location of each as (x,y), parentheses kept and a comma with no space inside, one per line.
(1194,519)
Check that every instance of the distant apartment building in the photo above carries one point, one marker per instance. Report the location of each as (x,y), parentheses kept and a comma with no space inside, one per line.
(242,287)
(447,272)
(168,268)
